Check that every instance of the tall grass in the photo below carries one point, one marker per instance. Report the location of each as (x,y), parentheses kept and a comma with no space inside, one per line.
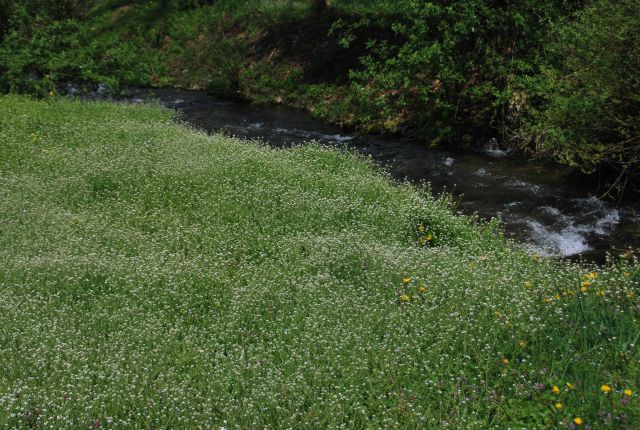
(152,276)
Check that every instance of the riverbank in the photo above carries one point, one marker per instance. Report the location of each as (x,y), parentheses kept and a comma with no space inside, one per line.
(155,276)
(449,76)
(546,207)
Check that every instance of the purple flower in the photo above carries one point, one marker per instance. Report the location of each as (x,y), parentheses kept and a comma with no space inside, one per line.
(538,386)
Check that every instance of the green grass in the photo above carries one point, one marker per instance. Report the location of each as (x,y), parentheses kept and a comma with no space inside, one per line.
(154,277)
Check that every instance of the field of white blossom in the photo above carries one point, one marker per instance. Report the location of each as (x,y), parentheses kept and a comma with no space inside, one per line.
(155,277)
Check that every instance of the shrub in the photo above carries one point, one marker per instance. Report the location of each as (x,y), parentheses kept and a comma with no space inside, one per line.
(453,72)
(585,106)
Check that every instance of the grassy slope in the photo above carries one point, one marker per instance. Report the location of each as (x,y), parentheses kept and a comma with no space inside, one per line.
(156,277)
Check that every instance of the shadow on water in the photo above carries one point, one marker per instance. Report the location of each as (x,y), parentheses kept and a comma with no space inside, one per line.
(543,206)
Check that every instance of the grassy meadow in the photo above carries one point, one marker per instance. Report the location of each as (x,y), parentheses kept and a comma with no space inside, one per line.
(155,277)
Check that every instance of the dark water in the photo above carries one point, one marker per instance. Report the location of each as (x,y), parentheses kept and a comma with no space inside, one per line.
(543,206)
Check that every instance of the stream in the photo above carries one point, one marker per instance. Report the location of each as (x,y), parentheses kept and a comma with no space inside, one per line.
(543,206)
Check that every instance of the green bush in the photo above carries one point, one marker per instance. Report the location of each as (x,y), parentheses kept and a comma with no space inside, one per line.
(451,75)
(585,106)
(22,22)
(16,14)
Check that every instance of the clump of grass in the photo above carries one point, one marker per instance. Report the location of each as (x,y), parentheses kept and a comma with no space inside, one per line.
(156,277)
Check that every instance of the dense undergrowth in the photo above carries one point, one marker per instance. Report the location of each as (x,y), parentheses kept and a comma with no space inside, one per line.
(153,276)
(554,78)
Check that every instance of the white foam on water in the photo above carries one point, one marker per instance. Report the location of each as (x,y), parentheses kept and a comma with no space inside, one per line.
(551,210)
(520,184)
(312,135)
(492,149)
(606,218)
(593,201)
(336,137)
(296,132)
(496,153)
(482,172)
(608,222)
(565,242)
(448,161)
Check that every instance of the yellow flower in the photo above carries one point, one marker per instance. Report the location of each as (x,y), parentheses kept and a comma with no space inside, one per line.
(522,344)
(498,314)
(628,392)
(528,284)
(631,295)
(626,274)
(547,300)
(555,389)
(537,257)
(577,421)
(600,293)
(422,288)
(51,94)
(406,280)
(558,405)
(482,258)
(585,284)
(557,296)
(421,228)
(584,289)
(505,361)
(404,298)
(591,275)
(570,386)
(605,388)
(429,237)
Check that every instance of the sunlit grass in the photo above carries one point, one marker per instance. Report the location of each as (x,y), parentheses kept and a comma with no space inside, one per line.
(152,276)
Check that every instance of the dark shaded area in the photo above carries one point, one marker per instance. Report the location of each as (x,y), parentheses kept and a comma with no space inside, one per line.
(315,43)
